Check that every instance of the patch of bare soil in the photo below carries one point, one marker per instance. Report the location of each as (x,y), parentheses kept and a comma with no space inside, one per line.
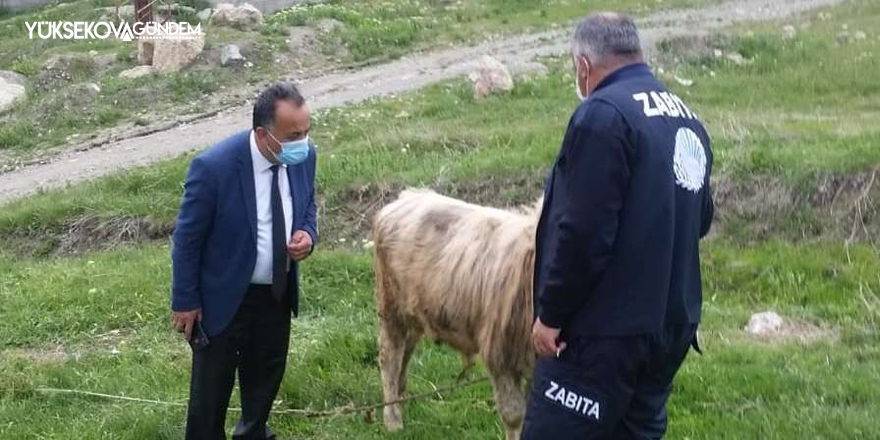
(346,221)
(92,233)
(340,88)
(840,207)
(833,207)
(87,234)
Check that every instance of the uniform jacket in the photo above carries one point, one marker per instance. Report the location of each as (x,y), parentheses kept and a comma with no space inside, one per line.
(625,206)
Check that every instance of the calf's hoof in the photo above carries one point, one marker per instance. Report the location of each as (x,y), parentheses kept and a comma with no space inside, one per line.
(393,419)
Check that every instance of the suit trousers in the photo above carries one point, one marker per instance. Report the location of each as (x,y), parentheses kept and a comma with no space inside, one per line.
(255,345)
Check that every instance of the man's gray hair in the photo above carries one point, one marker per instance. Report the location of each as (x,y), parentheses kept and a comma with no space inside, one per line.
(606,37)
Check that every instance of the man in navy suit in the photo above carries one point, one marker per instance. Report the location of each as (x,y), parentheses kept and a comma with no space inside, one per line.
(247,219)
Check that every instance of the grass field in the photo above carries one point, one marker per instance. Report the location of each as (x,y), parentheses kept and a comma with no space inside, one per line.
(93,318)
(53,114)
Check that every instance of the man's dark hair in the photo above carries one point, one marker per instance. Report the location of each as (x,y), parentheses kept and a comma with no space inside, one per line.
(264,108)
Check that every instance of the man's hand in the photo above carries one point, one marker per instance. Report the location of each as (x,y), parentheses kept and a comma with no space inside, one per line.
(300,245)
(546,339)
(185,321)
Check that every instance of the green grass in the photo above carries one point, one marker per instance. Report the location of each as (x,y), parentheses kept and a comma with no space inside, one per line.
(373,31)
(449,138)
(107,312)
(380,30)
(53,113)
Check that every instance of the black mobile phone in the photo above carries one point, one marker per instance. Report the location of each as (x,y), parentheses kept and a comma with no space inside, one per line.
(198,340)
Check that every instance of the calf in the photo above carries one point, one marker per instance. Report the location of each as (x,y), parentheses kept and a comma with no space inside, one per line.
(460,274)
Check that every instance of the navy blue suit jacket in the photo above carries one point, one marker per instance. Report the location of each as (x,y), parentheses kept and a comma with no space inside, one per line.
(214,244)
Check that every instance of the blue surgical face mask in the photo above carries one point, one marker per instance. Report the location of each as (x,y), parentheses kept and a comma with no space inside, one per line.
(293,152)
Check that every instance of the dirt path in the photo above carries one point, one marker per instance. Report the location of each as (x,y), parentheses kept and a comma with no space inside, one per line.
(343,88)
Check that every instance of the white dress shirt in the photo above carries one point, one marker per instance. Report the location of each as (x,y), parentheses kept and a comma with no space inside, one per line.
(263,187)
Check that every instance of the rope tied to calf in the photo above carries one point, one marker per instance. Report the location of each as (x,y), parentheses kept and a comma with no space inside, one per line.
(309,413)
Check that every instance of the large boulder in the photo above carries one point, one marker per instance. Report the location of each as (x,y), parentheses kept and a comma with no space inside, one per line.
(168,55)
(244,17)
(12,86)
(490,76)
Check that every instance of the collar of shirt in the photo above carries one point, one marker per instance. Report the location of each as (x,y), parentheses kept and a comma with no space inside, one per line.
(628,71)
(261,164)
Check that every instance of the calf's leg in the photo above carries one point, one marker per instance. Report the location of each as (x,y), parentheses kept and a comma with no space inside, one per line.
(510,401)
(392,352)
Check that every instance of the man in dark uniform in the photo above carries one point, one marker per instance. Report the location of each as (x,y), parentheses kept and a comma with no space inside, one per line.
(617,278)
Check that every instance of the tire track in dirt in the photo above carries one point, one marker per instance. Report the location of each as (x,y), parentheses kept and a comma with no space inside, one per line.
(348,87)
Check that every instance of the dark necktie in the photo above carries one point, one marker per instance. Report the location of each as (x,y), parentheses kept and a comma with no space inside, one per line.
(279,241)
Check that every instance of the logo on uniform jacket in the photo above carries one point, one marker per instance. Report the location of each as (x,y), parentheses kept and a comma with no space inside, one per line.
(689,161)
(572,400)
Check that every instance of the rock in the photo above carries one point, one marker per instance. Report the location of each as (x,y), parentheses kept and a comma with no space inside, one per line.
(843,37)
(244,17)
(63,61)
(764,323)
(12,86)
(137,72)
(529,69)
(80,97)
(62,69)
(718,53)
(11,77)
(84,92)
(205,14)
(684,81)
(738,59)
(230,56)
(178,10)
(124,13)
(859,35)
(328,25)
(303,43)
(789,32)
(170,55)
(103,61)
(490,76)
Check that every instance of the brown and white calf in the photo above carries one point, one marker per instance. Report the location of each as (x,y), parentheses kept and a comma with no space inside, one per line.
(460,274)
